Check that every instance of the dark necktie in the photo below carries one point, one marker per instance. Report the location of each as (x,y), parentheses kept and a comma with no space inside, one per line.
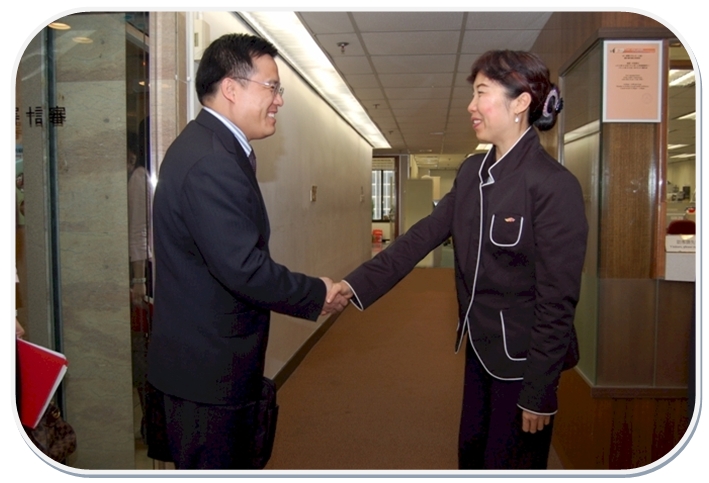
(252,160)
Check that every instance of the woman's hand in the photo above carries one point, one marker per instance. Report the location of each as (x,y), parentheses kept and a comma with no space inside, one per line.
(531,423)
(19,331)
(137,294)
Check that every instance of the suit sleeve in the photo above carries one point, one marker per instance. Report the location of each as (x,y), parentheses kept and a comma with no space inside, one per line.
(374,278)
(560,232)
(222,210)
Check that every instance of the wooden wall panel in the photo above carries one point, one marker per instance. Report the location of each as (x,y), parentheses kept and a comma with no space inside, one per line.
(641,413)
(675,316)
(614,433)
(629,162)
(671,423)
(582,426)
(566,32)
(626,333)
(628,20)
(563,35)
(641,328)
(621,437)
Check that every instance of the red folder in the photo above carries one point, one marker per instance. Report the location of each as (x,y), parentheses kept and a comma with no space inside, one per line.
(40,371)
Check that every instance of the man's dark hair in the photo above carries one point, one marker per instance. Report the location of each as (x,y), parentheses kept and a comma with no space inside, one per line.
(231,55)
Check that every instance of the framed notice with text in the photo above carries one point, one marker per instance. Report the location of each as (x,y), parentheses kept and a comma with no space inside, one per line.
(632,80)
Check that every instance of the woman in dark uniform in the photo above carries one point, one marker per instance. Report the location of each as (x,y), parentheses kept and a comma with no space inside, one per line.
(518,223)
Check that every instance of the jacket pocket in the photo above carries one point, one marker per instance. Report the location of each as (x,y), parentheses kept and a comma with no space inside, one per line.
(516,326)
(506,229)
(238,325)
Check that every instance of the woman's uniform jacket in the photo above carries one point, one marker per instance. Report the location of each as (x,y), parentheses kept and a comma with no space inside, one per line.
(519,236)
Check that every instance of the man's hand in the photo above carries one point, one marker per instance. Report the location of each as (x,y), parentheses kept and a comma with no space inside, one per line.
(531,423)
(341,289)
(336,299)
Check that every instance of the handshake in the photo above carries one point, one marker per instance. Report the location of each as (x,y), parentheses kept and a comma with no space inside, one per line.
(338,295)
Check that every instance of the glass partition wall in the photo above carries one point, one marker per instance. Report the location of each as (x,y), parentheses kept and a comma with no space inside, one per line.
(81,131)
(580,153)
(633,325)
(681,188)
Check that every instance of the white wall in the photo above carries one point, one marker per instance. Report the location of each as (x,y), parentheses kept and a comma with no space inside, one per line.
(419,204)
(312,146)
(447,177)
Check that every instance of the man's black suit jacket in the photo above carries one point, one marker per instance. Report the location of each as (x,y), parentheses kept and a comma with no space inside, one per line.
(215,281)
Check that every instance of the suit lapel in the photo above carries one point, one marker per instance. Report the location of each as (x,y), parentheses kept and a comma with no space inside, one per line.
(231,144)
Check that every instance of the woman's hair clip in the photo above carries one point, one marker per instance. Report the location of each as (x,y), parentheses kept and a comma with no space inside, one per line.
(554,103)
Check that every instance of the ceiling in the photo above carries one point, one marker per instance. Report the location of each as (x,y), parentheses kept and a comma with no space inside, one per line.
(681,100)
(409,71)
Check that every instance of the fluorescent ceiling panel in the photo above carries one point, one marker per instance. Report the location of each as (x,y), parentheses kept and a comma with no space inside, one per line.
(296,46)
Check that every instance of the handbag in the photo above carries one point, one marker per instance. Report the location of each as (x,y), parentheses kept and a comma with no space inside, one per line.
(264,419)
(53,436)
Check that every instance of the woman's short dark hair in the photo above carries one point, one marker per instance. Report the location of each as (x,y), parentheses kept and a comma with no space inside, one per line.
(519,72)
(231,55)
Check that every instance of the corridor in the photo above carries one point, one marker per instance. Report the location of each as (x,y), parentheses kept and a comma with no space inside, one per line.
(382,388)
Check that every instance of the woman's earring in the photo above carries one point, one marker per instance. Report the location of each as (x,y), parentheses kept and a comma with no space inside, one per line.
(517,118)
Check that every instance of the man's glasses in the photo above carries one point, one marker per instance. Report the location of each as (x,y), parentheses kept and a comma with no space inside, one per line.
(275,87)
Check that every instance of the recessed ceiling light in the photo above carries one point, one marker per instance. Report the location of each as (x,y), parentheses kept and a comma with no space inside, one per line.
(683,156)
(82,40)
(676,146)
(296,46)
(483,147)
(692,116)
(59,26)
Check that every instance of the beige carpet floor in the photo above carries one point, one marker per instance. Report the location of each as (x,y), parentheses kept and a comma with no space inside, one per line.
(382,389)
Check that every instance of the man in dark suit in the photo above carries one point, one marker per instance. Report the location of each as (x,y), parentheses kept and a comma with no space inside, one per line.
(215,280)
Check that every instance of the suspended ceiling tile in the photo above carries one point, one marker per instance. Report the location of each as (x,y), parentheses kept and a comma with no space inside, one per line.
(507,20)
(463,93)
(406,21)
(416,80)
(479,41)
(398,104)
(411,43)
(418,93)
(386,125)
(458,127)
(369,93)
(362,80)
(430,123)
(327,22)
(414,64)
(465,63)
(379,113)
(353,65)
(330,44)
(397,141)
(482,41)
